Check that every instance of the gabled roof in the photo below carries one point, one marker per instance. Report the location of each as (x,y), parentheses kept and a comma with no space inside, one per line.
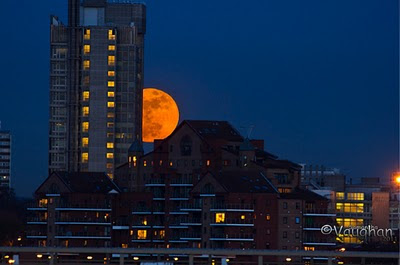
(303,194)
(88,182)
(245,182)
(215,130)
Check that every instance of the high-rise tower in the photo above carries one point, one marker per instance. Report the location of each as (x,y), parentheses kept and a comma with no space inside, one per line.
(96,84)
(5,159)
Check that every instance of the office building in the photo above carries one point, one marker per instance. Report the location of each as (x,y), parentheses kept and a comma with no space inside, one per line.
(5,160)
(96,84)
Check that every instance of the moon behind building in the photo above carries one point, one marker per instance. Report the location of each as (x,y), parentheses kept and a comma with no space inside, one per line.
(160,114)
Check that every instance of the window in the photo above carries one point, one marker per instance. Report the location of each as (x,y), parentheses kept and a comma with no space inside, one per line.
(186,145)
(309,248)
(268,217)
(85,157)
(285,205)
(86,95)
(110,145)
(284,234)
(297,235)
(43,203)
(124,245)
(220,217)
(85,126)
(111,84)
(111,104)
(285,220)
(110,155)
(297,205)
(86,80)
(111,47)
(109,165)
(242,217)
(86,49)
(355,196)
(110,115)
(282,178)
(141,234)
(86,36)
(111,73)
(110,94)
(85,111)
(85,142)
(297,220)
(350,207)
(111,60)
(86,64)
(208,162)
(111,34)
(339,195)
(110,125)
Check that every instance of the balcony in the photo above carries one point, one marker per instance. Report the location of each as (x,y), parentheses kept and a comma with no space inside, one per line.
(82,221)
(36,221)
(181,183)
(141,210)
(83,207)
(190,237)
(191,222)
(310,241)
(191,207)
(235,222)
(140,224)
(141,239)
(83,235)
(36,207)
(232,208)
(36,234)
(155,183)
(232,237)
(319,212)
(176,196)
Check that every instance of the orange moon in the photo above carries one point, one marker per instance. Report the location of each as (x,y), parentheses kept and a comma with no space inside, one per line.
(160,114)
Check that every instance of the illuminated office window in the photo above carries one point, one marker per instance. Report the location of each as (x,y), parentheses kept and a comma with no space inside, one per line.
(86,64)
(111,60)
(111,104)
(110,115)
(86,36)
(339,195)
(85,111)
(111,84)
(220,217)
(86,95)
(110,155)
(111,73)
(85,126)
(350,207)
(85,142)
(111,47)
(110,145)
(111,34)
(141,234)
(355,196)
(110,94)
(85,157)
(86,49)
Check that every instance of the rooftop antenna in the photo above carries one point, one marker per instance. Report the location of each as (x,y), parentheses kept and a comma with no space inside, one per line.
(249,130)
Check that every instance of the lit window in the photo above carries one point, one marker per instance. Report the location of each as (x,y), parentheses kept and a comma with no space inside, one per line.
(85,126)
(268,217)
(208,162)
(220,217)
(86,49)
(110,155)
(134,161)
(144,163)
(339,195)
(110,145)
(109,165)
(160,162)
(141,234)
(144,222)
(111,47)
(86,36)
(111,94)
(110,135)
(86,64)
(85,111)
(86,95)
(243,217)
(124,245)
(110,115)
(110,175)
(355,196)
(111,84)
(309,248)
(111,104)
(111,73)
(43,203)
(85,157)
(85,142)
(162,234)
(111,35)
(111,60)
(110,124)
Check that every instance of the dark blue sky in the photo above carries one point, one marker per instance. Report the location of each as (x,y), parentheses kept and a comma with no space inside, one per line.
(317,79)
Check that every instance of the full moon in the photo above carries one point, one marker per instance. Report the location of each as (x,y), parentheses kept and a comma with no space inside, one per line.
(160,114)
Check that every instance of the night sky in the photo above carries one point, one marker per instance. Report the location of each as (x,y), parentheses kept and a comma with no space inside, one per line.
(317,79)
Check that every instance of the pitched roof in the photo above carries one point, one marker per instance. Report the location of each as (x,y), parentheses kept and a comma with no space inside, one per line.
(215,130)
(245,182)
(88,182)
(303,194)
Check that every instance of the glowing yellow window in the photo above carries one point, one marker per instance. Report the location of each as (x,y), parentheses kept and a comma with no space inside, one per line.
(111,73)
(85,126)
(85,142)
(111,84)
(144,163)
(110,115)
(111,47)
(243,217)
(85,111)
(220,217)
(111,104)
(141,234)
(124,245)
(268,217)
(42,202)
(86,64)
(109,165)
(111,35)
(110,94)
(86,49)
(110,155)
(86,36)
(144,222)
(110,145)
(85,157)
(111,60)
(86,95)
(110,124)
(208,162)
(339,195)
(110,175)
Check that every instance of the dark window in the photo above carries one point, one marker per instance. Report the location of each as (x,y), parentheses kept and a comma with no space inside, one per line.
(285,205)
(186,146)
(297,235)
(284,234)
(282,178)
(297,220)
(285,220)
(297,205)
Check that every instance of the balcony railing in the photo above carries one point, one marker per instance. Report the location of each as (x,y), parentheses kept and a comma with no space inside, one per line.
(234,222)
(83,220)
(36,234)
(190,207)
(141,209)
(232,207)
(155,182)
(180,181)
(62,234)
(85,206)
(190,221)
(232,237)
(36,205)
(321,211)
(36,220)
(190,236)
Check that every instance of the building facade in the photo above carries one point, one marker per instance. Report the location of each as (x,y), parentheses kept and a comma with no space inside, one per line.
(5,160)
(96,85)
